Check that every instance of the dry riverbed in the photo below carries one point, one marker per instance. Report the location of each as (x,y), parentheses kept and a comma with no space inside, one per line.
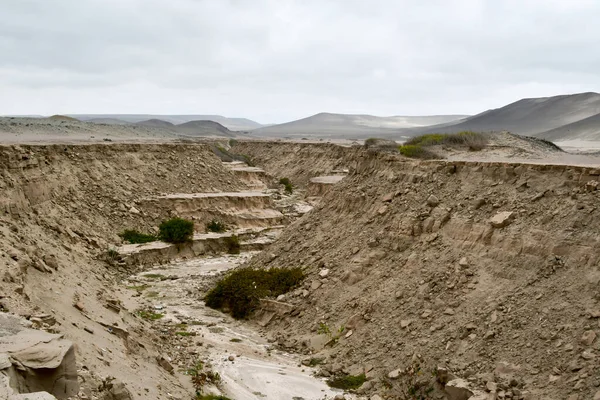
(170,297)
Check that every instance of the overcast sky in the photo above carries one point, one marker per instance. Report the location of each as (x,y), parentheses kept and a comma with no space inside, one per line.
(277,60)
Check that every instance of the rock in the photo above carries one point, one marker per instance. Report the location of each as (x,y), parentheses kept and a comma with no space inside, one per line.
(491,386)
(315,285)
(134,210)
(376,397)
(405,323)
(489,334)
(51,261)
(388,197)
(39,361)
(463,262)
(470,326)
(79,306)
(323,273)
(458,389)
(165,363)
(339,397)
(502,219)
(449,311)
(395,374)
(575,366)
(88,330)
(432,201)
(231,358)
(588,338)
(588,355)
(597,395)
(116,390)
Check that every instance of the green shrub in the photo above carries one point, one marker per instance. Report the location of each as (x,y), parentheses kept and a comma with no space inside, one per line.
(288,187)
(232,142)
(176,230)
(135,237)
(416,151)
(240,291)
(211,397)
(233,244)
(473,140)
(215,226)
(347,382)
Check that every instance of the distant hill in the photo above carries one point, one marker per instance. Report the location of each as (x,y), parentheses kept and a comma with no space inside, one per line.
(61,118)
(156,123)
(528,116)
(585,129)
(350,125)
(234,124)
(203,128)
(108,121)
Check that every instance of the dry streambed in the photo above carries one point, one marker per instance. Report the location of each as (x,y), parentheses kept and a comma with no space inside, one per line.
(170,296)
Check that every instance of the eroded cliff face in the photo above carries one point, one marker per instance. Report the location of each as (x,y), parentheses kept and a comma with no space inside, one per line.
(61,209)
(458,264)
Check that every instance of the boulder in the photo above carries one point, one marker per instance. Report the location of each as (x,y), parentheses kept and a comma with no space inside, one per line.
(46,362)
(458,389)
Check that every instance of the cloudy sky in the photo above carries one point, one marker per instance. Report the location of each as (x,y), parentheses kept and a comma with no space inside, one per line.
(277,60)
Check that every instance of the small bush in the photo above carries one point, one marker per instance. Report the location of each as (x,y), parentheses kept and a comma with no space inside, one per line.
(135,237)
(215,226)
(235,340)
(288,187)
(473,140)
(149,315)
(347,382)
(233,244)
(112,256)
(232,142)
(240,291)
(176,230)
(211,397)
(285,181)
(416,151)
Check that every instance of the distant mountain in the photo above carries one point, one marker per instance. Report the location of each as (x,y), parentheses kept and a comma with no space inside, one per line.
(585,129)
(234,124)
(528,116)
(350,125)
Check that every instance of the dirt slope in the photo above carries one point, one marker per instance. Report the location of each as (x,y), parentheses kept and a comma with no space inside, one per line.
(62,207)
(465,264)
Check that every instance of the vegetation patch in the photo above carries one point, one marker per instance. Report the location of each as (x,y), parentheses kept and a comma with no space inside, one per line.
(176,230)
(202,376)
(135,237)
(149,315)
(241,290)
(158,277)
(233,244)
(314,361)
(215,226)
(287,184)
(211,397)
(235,340)
(416,147)
(185,333)
(347,382)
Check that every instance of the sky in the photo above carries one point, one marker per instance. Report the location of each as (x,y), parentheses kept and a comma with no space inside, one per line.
(278,60)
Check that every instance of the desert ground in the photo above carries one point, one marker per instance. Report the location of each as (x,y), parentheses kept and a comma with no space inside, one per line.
(474,274)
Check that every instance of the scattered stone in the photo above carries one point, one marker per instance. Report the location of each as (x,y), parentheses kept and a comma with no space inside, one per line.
(470,326)
(134,210)
(405,323)
(339,397)
(231,358)
(348,334)
(588,355)
(491,386)
(502,219)
(588,338)
(376,397)
(165,363)
(388,197)
(79,306)
(449,311)
(88,330)
(463,262)
(597,395)
(323,273)
(315,285)
(432,201)
(395,374)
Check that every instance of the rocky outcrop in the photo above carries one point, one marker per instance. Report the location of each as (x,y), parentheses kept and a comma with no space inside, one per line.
(34,361)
